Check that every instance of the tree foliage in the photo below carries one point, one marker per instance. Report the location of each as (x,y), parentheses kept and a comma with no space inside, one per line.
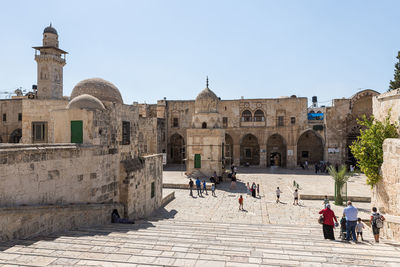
(367,149)
(396,80)
(341,177)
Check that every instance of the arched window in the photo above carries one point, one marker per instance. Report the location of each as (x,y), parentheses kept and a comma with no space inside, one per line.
(204,125)
(246,115)
(259,115)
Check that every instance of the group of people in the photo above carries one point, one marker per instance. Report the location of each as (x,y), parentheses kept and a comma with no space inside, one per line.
(201,187)
(351,225)
(253,190)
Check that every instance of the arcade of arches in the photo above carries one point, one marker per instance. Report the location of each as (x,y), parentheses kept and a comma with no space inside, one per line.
(310,148)
(249,150)
(276,149)
(177,149)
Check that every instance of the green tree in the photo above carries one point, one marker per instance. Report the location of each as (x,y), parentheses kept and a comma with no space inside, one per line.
(396,81)
(367,149)
(341,177)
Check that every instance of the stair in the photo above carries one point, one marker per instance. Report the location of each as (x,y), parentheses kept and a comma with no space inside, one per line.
(170,242)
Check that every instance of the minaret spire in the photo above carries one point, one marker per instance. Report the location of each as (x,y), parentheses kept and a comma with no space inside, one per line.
(207,82)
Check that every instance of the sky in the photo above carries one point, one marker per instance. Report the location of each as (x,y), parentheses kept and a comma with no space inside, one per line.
(256,49)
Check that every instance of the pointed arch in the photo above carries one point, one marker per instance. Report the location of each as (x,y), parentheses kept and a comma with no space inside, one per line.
(249,150)
(310,147)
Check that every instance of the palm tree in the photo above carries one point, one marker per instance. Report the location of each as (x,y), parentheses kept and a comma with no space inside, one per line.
(341,177)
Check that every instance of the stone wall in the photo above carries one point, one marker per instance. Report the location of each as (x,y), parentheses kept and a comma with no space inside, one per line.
(141,185)
(30,221)
(389,101)
(386,193)
(11,108)
(56,174)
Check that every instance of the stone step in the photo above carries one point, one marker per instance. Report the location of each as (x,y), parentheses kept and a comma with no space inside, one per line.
(185,243)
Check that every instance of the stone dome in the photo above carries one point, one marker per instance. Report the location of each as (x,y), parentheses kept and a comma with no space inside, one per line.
(206,101)
(50,29)
(99,88)
(85,101)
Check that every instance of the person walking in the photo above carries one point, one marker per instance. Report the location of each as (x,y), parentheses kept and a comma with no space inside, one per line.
(328,224)
(296,197)
(278,194)
(205,187)
(248,188)
(191,187)
(235,170)
(253,190)
(376,223)
(233,183)
(351,221)
(240,202)
(213,190)
(198,187)
(258,189)
(359,228)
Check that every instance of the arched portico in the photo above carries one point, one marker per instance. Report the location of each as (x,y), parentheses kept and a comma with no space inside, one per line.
(276,151)
(249,150)
(15,136)
(310,147)
(176,149)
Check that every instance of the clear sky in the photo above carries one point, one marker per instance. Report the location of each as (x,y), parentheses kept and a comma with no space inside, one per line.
(256,49)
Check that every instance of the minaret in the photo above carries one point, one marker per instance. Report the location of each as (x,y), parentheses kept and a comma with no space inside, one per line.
(50,62)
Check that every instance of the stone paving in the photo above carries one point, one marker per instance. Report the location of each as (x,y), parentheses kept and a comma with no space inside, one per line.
(210,231)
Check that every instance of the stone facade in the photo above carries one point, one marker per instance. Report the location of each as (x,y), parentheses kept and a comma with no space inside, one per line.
(386,193)
(272,132)
(10,120)
(83,149)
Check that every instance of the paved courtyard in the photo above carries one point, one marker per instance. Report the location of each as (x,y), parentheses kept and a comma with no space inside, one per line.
(211,231)
(263,209)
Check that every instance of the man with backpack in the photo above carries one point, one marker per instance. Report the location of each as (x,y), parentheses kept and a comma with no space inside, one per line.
(377,223)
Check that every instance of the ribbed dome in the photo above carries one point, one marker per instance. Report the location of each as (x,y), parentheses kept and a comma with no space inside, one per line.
(86,101)
(206,101)
(50,29)
(206,94)
(99,88)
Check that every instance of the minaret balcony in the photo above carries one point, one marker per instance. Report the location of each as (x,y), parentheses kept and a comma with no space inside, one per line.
(56,58)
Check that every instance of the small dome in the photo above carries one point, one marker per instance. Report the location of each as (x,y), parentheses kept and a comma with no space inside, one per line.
(99,88)
(206,94)
(85,101)
(206,101)
(50,29)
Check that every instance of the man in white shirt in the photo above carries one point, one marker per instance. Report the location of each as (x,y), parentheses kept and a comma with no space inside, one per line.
(351,214)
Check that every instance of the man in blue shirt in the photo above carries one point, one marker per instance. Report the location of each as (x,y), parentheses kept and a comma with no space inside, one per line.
(351,214)
(198,187)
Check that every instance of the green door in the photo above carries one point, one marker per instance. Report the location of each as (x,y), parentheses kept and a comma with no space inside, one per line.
(77,132)
(197,161)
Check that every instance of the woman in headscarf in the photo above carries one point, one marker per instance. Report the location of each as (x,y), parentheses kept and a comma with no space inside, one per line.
(328,224)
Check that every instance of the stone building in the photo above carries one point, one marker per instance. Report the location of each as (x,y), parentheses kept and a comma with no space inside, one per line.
(265,132)
(82,150)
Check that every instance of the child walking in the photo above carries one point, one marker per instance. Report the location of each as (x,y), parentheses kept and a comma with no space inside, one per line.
(205,187)
(296,197)
(359,228)
(278,194)
(240,202)
(213,190)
